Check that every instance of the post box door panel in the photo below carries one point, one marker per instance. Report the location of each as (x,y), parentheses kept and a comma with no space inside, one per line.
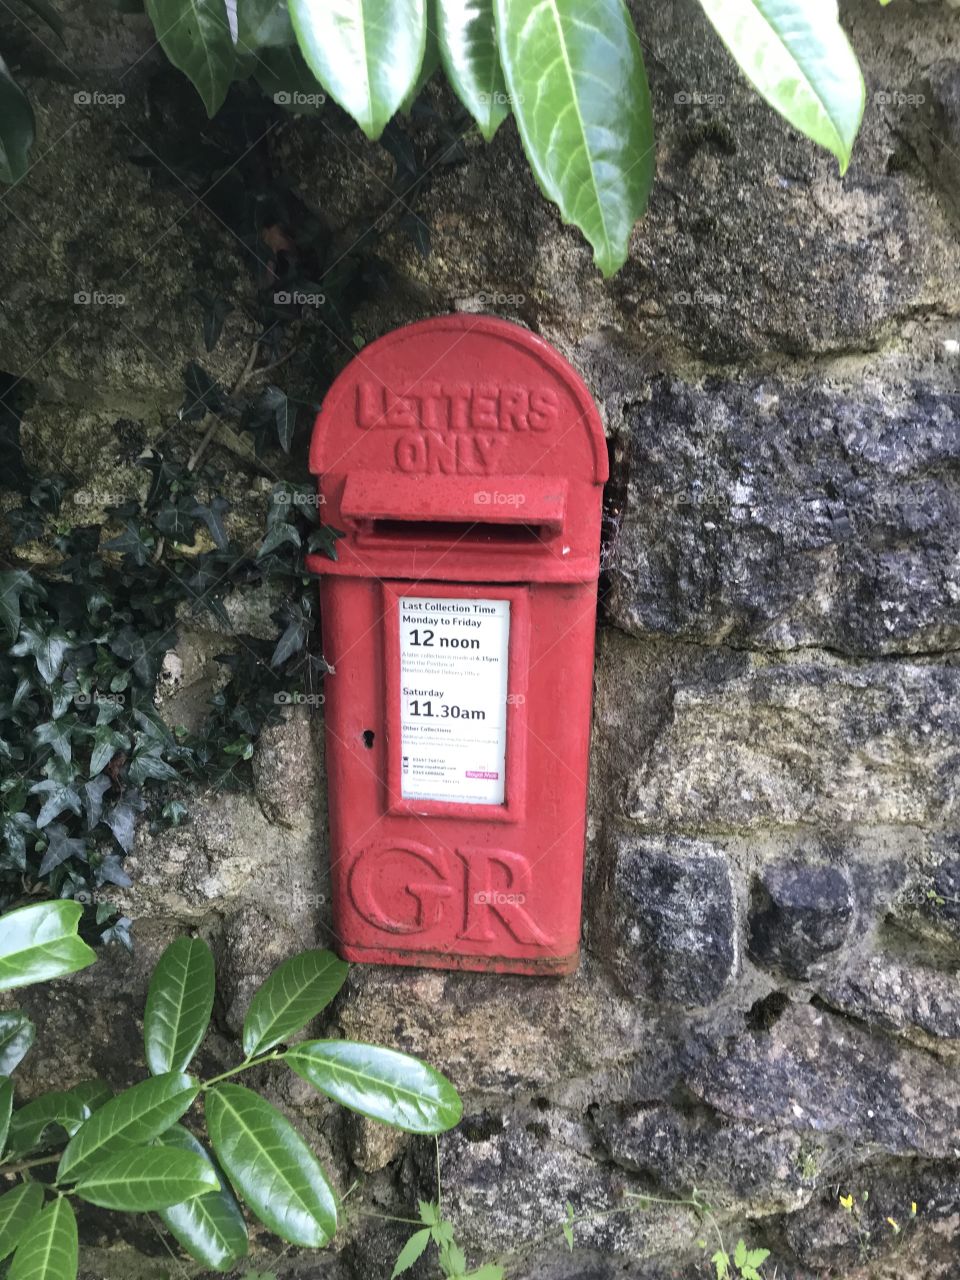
(463,461)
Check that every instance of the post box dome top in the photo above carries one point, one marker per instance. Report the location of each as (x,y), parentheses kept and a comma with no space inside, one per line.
(467,395)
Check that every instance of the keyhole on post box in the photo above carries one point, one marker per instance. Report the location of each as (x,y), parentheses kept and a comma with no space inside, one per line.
(368,736)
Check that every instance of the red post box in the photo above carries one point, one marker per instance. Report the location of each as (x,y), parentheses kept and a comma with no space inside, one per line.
(464,459)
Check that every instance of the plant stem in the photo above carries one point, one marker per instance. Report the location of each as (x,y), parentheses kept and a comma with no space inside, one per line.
(439,1193)
(23,1165)
(388,1217)
(244,1066)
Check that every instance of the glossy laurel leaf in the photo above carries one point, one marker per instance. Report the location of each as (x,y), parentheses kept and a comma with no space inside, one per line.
(366,53)
(380,1083)
(271,1166)
(148,1178)
(132,1119)
(579,93)
(210,1227)
(294,993)
(195,35)
(48,1251)
(795,54)
(6,1107)
(18,1208)
(179,1003)
(471,60)
(17,1034)
(40,942)
(35,1124)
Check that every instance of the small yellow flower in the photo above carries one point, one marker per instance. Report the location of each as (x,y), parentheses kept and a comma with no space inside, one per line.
(913,1208)
(895,1225)
(847,1202)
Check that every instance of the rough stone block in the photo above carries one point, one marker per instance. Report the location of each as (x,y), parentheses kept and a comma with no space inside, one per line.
(801,915)
(674,927)
(776,515)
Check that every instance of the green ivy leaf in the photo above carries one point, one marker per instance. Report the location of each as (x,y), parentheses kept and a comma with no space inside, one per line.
(132,1119)
(49,1249)
(380,1083)
(18,1209)
(151,1178)
(210,1227)
(797,57)
(60,848)
(14,583)
(60,798)
(47,648)
(17,1034)
(17,128)
(579,91)
(294,993)
(471,60)
(367,55)
(179,1003)
(276,537)
(106,743)
(195,36)
(271,1166)
(40,942)
(56,735)
(410,1252)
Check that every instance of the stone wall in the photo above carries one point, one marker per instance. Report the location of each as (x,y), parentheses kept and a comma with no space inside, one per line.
(768,1006)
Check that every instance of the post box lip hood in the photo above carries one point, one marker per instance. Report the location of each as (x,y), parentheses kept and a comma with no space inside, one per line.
(459,322)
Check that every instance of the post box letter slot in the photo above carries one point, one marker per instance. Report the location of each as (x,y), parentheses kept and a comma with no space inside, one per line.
(451,510)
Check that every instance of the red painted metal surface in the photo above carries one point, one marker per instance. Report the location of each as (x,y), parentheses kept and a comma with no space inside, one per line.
(464,459)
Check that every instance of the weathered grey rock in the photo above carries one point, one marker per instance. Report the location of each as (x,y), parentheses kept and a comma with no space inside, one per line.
(899,997)
(816,1073)
(929,905)
(486,1183)
(747,742)
(775,515)
(673,920)
(801,915)
(739,1164)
